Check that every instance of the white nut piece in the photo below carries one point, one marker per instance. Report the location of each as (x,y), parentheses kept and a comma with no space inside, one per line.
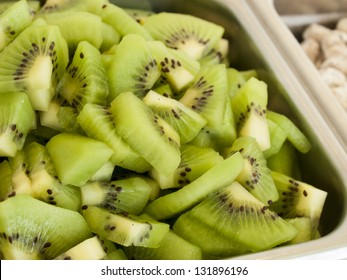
(333,39)
(333,77)
(316,31)
(312,48)
(341,95)
(338,62)
(335,50)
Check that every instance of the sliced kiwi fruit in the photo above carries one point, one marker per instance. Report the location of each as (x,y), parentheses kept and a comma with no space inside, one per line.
(255,176)
(33,63)
(133,54)
(125,229)
(85,79)
(153,138)
(213,245)
(129,195)
(294,134)
(120,20)
(218,54)
(97,122)
(228,208)
(138,14)
(17,120)
(32,229)
(110,37)
(177,68)
(89,249)
(298,199)
(54,6)
(173,247)
(13,21)
(249,105)
(72,25)
(184,120)
(237,78)
(207,95)
(219,176)
(195,161)
(195,36)
(76,157)
(303,225)
(44,182)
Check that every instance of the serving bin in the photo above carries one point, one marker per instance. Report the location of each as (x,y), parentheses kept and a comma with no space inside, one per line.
(260,40)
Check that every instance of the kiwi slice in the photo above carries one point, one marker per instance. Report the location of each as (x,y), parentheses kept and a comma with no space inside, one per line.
(138,14)
(184,120)
(32,229)
(255,176)
(17,120)
(44,182)
(85,79)
(195,36)
(120,20)
(218,54)
(153,138)
(97,122)
(213,245)
(249,106)
(72,25)
(13,21)
(298,199)
(208,93)
(133,54)
(195,161)
(128,195)
(173,247)
(54,6)
(237,78)
(110,37)
(89,249)
(177,68)
(76,157)
(125,229)
(219,176)
(33,63)
(294,134)
(232,206)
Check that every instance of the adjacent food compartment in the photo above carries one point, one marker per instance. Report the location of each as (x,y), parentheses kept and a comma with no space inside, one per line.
(254,46)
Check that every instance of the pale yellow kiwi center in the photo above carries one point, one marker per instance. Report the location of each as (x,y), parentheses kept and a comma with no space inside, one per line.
(39,82)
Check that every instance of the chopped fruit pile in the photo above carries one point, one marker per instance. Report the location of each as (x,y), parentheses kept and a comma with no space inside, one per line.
(127,134)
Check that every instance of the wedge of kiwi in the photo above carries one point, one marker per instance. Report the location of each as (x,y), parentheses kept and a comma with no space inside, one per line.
(97,122)
(125,229)
(34,62)
(85,79)
(249,106)
(195,36)
(153,138)
(17,119)
(184,120)
(298,199)
(129,195)
(255,176)
(195,161)
(232,206)
(217,177)
(133,54)
(6,186)
(32,229)
(77,158)
(13,21)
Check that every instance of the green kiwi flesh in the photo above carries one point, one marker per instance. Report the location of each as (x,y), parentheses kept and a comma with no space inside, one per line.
(13,21)
(31,229)
(125,229)
(33,62)
(233,205)
(17,120)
